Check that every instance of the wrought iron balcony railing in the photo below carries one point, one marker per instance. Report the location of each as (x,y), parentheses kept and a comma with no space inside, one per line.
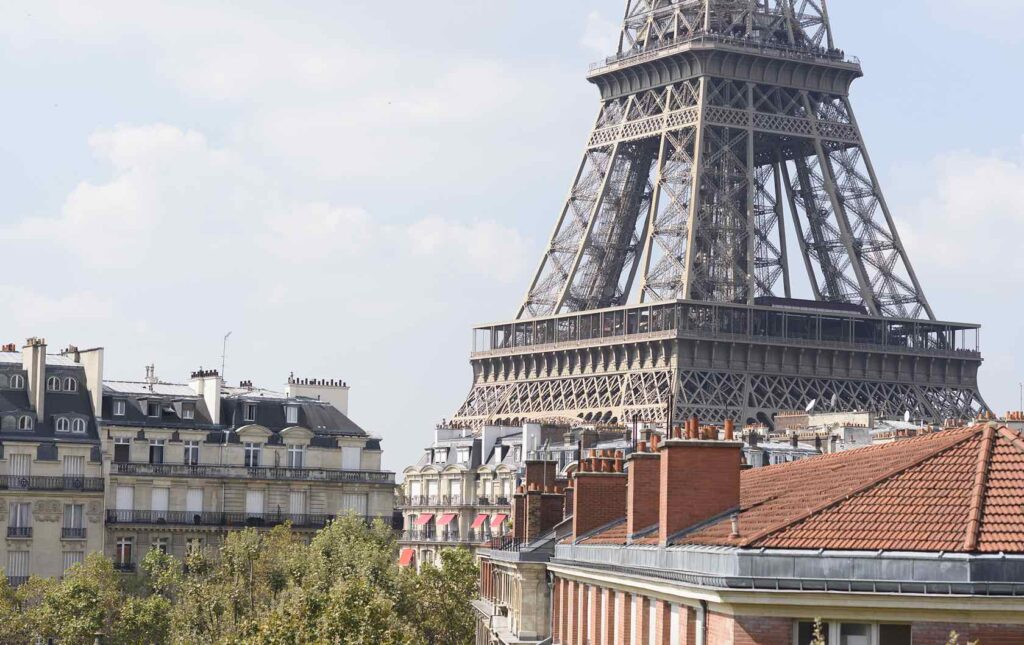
(431,536)
(257,473)
(227,520)
(20,532)
(17,482)
(451,500)
(72,533)
(126,567)
(17,581)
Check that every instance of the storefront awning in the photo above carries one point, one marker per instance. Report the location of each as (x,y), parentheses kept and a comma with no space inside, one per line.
(497,520)
(479,521)
(445,519)
(424,519)
(408,555)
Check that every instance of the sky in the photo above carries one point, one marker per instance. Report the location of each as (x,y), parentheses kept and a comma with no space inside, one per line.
(349,186)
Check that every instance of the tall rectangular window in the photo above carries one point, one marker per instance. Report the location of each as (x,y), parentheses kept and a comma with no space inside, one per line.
(71,558)
(354,502)
(160,500)
(162,544)
(254,502)
(297,502)
(74,466)
(191,453)
(153,409)
(193,546)
(291,414)
(20,515)
(122,450)
(249,411)
(118,408)
(123,551)
(252,455)
(19,469)
(351,458)
(17,565)
(156,451)
(296,456)
(854,634)
(194,500)
(73,516)
(188,411)
(125,502)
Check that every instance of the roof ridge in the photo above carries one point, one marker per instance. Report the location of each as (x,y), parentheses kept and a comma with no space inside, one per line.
(1013,437)
(868,486)
(978,493)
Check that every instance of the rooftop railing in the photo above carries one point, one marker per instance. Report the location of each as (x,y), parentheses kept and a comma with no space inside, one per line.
(17,482)
(255,473)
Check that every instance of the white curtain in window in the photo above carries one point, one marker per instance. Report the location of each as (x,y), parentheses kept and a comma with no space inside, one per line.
(20,465)
(161,499)
(351,458)
(73,516)
(253,502)
(125,498)
(432,488)
(194,500)
(21,514)
(297,502)
(74,466)
(71,558)
(355,502)
(17,564)
(415,488)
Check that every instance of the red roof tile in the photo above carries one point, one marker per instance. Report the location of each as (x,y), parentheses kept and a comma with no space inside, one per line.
(960,490)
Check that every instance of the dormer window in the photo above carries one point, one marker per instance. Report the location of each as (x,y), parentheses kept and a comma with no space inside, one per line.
(17,382)
(464,455)
(78,426)
(440,456)
(63,424)
(249,411)
(25,422)
(119,408)
(53,384)
(153,409)
(291,414)
(188,411)
(70,384)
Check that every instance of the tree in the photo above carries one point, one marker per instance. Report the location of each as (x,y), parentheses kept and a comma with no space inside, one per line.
(954,639)
(443,616)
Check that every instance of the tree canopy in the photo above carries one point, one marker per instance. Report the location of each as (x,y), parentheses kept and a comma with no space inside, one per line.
(263,588)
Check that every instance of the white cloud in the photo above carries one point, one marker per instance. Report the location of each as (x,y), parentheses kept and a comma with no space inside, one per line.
(26,308)
(601,35)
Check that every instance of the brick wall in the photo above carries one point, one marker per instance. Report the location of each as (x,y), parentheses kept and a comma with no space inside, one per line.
(600,499)
(624,603)
(758,630)
(937,633)
(643,491)
(699,480)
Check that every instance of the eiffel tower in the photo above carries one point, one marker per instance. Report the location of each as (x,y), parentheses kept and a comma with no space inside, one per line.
(666,286)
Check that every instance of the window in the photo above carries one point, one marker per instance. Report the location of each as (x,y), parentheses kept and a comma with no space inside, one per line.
(354,502)
(119,408)
(252,455)
(440,455)
(17,382)
(78,426)
(254,502)
(19,468)
(188,411)
(125,499)
(296,456)
(74,526)
(297,502)
(159,502)
(854,634)
(249,411)
(122,450)
(3,380)
(193,546)
(53,384)
(153,409)
(71,558)
(194,500)
(291,414)
(74,466)
(192,453)
(156,451)
(464,455)
(63,424)
(25,422)
(71,384)
(17,565)
(123,552)
(21,515)
(162,544)
(351,458)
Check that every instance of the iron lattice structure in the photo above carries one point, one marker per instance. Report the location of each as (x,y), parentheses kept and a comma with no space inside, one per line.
(722,123)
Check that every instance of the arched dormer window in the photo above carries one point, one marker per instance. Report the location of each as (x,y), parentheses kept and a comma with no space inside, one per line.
(53,384)
(17,382)
(70,384)
(63,424)
(78,426)
(25,422)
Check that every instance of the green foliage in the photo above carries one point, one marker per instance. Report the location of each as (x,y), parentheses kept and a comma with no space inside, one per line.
(954,639)
(264,588)
(819,633)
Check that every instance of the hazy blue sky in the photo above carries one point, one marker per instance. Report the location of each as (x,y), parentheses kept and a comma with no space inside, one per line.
(349,185)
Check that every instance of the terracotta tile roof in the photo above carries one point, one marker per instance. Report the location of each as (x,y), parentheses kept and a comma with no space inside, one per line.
(959,490)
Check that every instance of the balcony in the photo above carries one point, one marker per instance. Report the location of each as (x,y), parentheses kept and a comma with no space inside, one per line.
(17,482)
(450,500)
(17,581)
(225,520)
(257,473)
(72,533)
(124,567)
(19,532)
(452,537)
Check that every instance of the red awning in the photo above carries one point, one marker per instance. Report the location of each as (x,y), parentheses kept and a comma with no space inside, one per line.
(408,555)
(424,519)
(479,521)
(444,519)
(497,520)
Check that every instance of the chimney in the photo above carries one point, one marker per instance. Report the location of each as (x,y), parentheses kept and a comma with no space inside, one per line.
(519,518)
(91,361)
(570,502)
(642,490)
(699,481)
(208,384)
(795,440)
(332,391)
(33,361)
(600,495)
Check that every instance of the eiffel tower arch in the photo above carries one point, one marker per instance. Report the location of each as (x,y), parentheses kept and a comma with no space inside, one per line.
(667,277)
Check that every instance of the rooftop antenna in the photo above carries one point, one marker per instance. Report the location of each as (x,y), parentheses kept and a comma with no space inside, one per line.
(224,356)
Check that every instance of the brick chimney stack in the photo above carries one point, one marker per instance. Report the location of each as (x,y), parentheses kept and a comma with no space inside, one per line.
(33,361)
(643,494)
(538,504)
(600,492)
(699,481)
